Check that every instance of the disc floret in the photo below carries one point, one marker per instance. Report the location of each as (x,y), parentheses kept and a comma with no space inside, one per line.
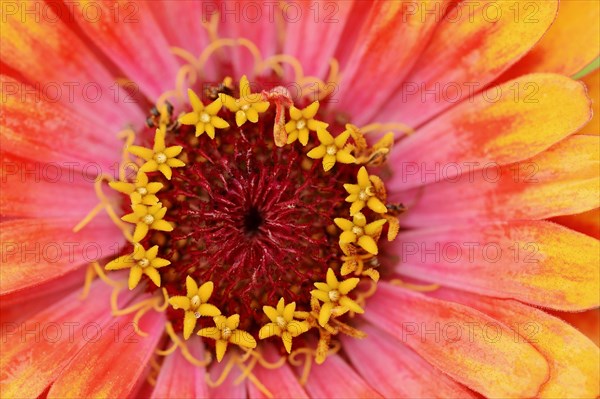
(225,332)
(195,304)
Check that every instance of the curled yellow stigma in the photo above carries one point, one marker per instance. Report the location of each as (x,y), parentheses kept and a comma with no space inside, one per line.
(225,332)
(282,323)
(204,117)
(141,261)
(195,304)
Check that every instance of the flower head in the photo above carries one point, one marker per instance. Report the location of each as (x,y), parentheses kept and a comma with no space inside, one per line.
(244,214)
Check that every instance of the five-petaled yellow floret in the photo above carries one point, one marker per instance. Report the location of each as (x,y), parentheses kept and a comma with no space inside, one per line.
(141,261)
(363,194)
(247,106)
(195,304)
(159,158)
(204,117)
(334,295)
(282,323)
(146,218)
(141,191)
(301,122)
(357,231)
(225,332)
(331,150)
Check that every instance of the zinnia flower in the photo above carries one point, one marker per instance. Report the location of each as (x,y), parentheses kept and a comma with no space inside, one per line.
(391,199)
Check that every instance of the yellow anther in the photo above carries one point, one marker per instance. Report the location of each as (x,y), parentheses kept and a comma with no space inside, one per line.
(283,324)
(141,191)
(363,194)
(195,304)
(301,122)
(331,150)
(141,261)
(334,295)
(146,218)
(248,106)
(204,117)
(357,231)
(225,332)
(159,158)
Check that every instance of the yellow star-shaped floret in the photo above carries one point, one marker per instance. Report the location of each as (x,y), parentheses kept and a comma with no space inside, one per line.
(147,217)
(334,295)
(141,261)
(301,122)
(160,157)
(225,331)
(248,106)
(195,304)
(282,323)
(331,150)
(204,117)
(363,193)
(358,231)
(141,191)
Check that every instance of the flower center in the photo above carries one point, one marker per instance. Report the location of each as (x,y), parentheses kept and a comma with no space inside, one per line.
(281,322)
(334,295)
(266,210)
(195,301)
(226,333)
(253,217)
(204,117)
(160,158)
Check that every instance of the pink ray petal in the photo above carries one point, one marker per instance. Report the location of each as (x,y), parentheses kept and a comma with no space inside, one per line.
(398,371)
(444,334)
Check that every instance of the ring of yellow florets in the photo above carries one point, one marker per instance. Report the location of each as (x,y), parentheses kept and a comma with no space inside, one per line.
(358,239)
